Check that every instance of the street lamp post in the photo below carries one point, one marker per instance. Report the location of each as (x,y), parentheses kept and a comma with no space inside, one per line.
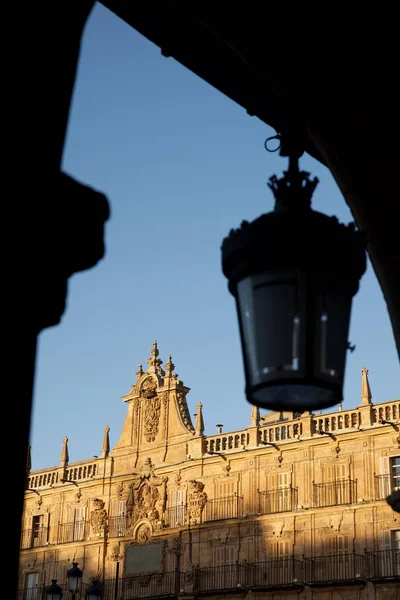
(74,576)
(293,273)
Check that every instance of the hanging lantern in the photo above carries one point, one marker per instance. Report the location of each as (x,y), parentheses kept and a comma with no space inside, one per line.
(293,273)
(53,591)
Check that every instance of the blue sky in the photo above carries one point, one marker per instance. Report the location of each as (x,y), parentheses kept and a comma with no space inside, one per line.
(181,165)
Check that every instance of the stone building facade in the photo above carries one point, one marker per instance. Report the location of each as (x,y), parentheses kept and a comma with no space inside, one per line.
(290,507)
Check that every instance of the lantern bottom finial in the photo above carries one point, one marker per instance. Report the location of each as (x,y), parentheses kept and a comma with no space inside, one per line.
(296,397)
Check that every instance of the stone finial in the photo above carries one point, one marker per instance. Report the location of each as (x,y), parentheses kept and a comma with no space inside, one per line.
(154,362)
(28,460)
(199,429)
(64,460)
(169,366)
(255,417)
(105,449)
(139,372)
(366,395)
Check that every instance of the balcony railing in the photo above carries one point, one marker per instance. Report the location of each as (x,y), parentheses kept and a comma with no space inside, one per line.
(383,486)
(32,593)
(276,501)
(335,493)
(117,526)
(336,567)
(224,577)
(151,585)
(175,516)
(269,574)
(383,563)
(34,537)
(277,572)
(228,507)
(72,532)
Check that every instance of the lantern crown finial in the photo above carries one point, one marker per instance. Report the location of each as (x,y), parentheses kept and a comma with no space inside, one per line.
(294,190)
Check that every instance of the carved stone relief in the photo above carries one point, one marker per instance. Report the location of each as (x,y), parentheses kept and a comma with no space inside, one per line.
(98,516)
(197,499)
(151,419)
(146,498)
(114,554)
(336,522)
(143,533)
(148,388)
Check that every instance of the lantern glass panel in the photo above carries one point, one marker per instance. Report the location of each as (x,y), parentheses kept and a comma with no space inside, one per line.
(333,327)
(270,324)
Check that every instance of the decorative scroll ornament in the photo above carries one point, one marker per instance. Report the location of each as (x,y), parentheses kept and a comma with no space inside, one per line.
(184,411)
(98,516)
(197,499)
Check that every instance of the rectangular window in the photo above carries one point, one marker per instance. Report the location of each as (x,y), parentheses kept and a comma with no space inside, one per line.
(337,545)
(226,571)
(226,488)
(395,472)
(396,540)
(225,555)
(37,531)
(118,523)
(78,524)
(177,509)
(31,586)
(335,473)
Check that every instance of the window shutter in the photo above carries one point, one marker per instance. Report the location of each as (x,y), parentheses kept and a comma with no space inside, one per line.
(384,465)
(273,481)
(342,544)
(342,472)
(282,549)
(119,508)
(384,540)
(330,473)
(330,545)
(226,488)
(283,480)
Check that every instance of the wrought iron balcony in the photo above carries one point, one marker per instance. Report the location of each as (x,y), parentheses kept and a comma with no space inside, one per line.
(275,573)
(72,532)
(151,585)
(117,526)
(335,493)
(32,593)
(228,507)
(34,537)
(224,577)
(383,486)
(383,563)
(276,501)
(336,567)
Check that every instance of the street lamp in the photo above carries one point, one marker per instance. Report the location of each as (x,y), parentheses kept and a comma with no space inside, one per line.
(293,273)
(74,576)
(53,591)
(94,591)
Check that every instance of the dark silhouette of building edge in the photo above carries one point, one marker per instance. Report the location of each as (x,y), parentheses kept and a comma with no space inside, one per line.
(346,110)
